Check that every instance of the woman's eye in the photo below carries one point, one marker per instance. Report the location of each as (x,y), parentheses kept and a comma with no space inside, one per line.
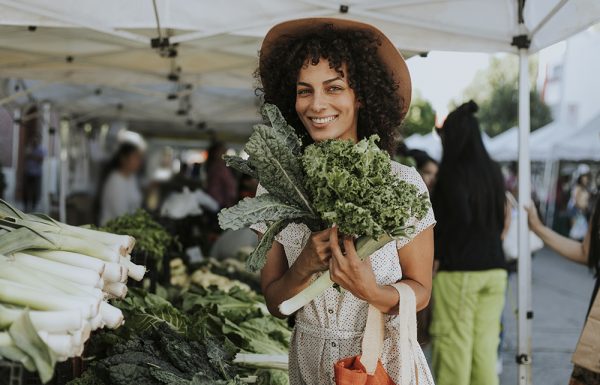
(335,88)
(303,92)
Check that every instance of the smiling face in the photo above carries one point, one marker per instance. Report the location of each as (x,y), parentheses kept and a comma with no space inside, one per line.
(325,103)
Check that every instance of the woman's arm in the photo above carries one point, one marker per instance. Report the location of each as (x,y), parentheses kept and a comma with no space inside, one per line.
(507,218)
(280,282)
(568,248)
(416,259)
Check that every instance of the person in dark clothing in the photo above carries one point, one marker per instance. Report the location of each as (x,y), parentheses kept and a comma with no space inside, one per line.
(585,252)
(32,186)
(470,206)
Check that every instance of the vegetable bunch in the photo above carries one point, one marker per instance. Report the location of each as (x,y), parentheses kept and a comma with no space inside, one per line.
(192,337)
(329,182)
(151,238)
(54,283)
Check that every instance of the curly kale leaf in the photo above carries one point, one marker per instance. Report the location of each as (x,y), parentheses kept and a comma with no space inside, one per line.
(352,185)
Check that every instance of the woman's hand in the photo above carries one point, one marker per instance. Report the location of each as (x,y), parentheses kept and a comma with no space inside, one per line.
(316,253)
(533,218)
(347,270)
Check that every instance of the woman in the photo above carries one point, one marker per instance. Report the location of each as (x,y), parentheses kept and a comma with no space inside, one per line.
(578,205)
(340,79)
(586,252)
(468,290)
(120,193)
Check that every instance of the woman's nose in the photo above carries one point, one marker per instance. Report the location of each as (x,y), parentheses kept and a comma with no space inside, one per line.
(318,102)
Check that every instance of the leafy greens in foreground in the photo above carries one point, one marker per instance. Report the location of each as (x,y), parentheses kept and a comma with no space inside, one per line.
(190,340)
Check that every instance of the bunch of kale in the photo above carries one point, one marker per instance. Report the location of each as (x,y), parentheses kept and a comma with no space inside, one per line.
(334,181)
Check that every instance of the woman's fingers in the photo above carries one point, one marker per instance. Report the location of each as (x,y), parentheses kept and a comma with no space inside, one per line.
(334,243)
(322,235)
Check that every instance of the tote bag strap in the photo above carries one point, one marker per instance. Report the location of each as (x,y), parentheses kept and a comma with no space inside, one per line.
(372,343)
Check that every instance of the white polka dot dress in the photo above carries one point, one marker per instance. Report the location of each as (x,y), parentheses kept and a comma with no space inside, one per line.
(330,327)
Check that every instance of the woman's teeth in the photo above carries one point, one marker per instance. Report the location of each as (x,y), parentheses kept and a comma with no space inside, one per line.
(323,120)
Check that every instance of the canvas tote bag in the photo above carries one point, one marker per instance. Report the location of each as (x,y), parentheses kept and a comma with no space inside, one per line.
(366,369)
(587,352)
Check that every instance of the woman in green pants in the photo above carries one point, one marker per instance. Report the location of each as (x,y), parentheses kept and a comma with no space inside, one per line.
(468,290)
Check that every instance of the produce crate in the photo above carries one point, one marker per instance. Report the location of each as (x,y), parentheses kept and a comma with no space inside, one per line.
(11,373)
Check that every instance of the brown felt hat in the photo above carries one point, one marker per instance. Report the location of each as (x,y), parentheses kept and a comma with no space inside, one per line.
(388,53)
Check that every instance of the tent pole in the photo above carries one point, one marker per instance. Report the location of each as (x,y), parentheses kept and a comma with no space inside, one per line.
(525,313)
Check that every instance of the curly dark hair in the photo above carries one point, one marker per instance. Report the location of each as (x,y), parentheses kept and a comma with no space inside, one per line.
(381,107)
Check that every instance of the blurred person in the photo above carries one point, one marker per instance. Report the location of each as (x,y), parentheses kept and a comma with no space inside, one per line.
(578,206)
(512,179)
(32,176)
(248,186)
(220,181)
(426,166)
(119,187)
(469,287)
(196,173)
(586,252)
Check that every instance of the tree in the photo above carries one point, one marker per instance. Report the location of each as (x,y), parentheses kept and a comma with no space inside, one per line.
(495,90)
(420,118)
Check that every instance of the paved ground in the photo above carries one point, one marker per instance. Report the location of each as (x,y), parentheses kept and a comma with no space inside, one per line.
(561,294)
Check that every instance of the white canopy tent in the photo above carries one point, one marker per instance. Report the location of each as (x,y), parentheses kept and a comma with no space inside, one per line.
(501,145)
(430,143)
(584,145)
(83,42)
(504,147)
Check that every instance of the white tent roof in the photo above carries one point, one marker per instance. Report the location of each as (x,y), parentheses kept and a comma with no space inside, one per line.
(556,140)
(432,144)
(501,146)
(109,43)
(429,143)
(584,145)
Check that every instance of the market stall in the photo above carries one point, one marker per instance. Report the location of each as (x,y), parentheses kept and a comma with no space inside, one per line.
(188,62)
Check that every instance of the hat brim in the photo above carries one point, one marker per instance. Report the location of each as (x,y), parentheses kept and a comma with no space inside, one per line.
(388,53)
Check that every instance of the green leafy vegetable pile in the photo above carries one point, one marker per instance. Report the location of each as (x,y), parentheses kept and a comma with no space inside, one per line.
(352,185)
(333,181)
(151,238)
(190,340)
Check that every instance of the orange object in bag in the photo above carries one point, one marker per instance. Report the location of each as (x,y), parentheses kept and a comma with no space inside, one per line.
(350,371)
(366,369)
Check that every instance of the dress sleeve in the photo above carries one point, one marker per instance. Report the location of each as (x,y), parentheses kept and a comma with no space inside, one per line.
(410,175)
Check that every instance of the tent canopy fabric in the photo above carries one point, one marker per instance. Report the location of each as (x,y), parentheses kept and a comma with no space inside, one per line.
(80,46)
(583,145)
(502,145)
(432,144)
(555,141)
